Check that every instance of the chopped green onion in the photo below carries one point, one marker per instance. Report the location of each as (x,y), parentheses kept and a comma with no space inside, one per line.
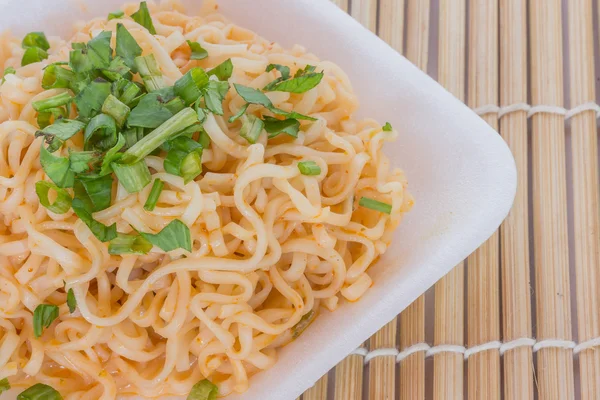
(71,301)
(375,205)
(309,168)
(129,92)
(201,112)
(157,188)
(134,177)
(83,161)
(151,111)
(129,244)
(175,105)
(100,133)
(52,102)
(79,61)
(57,168)
(43,316)
(198,52)
(116,70)
(133,135)
(116,109)
(164,132)
(60,205)
(33,55)
(252,127)
(240,112)
(35,39)
(387,127)
(102,232)
(301,326)
(150,72)
(62,129)
(222,71)
(189,87)
(184,158)
(173,236)
(39,391)
(116,15)
(275,126)
(214,95)
(90,99)
(127,48)
(4,385)
(94,193)
(142,17)
(204,139)
(48,117)
(8,71)
(204,390)
(57,77)
(99,51)
(112,155)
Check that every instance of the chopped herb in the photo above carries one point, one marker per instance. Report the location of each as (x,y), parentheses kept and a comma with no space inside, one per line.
(222,71)
(151,111)
(175,105)
(102,232)
(4,385)
(189,87)
(150,72)
(142,17)
(62,129)
(100,133)
(214,95)
(56,76)
(375,205)
(134,177)
(116,70)
(71,301)
(387,127)
(116,109)
(184,158)
(62,202)
(52,102)
(89,101)
(173,236)
(116,15)
(252,127)
(39,391)
(275,126)
(204,390)
(198,52)
(57,168)
(255,96)
(309,168)
(99,52)
(8,71)
(112,155)
(157,188)
(33,55)
(127,48)
(305,321)
(43,316)
(48,117)
(283,70)
(35,39)
(129,244)
(94,193)
(304,80)
(83,161)
(128,93)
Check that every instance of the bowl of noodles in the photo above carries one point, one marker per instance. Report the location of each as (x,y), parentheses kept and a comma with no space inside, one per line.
(202,200)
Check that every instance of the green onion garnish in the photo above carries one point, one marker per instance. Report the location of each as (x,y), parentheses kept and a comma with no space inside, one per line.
(189,87)
(127,48)
(112,155)
(52,102)
(252,127)
(151,74)
(387,127)
(198,52)
(274,126)
(117,69)
(4,385)
(56,76)
(134,176)
(90,99)
(203,390)
(102,232)
(157,188)
(173,236)
(99,51)
(116,15)
(184,158)
(63,129)
(129,244)
(35,39)
(116,109)
(83,161)
(151,111)
(375,205)
(214,95)
(57,168)
(33,55)
(43,316)
(39,391)
(62,202)
(222,71)
(8,71)
(71,301)
(175,105)
(301,326)
(129,92)
(100,133)
(309,168)
(95,193)
(142,17)
(48,117)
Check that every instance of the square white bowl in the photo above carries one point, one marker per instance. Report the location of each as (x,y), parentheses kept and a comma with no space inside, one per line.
(460,171)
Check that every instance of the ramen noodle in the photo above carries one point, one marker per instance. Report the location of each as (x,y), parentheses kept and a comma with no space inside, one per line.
(190,276)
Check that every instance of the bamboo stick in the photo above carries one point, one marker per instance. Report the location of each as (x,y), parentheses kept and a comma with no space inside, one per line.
(391,22)
(365,12)
(553,304)
(448,368)
(317,392)
(349,379)
(343,4)
(483,308)
(514,232)
(412,320)
(585,192)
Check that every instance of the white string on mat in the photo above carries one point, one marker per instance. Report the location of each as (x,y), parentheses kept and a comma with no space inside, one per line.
(532,110)
(468,352)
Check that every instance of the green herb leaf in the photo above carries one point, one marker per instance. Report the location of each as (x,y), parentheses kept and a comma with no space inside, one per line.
(71,301)
(142,17)
(62,129)
(204,139)
(57,77)
(129,244)
(309,168)
(387,127)
(151,112)
(203,390)
(83,161)
(43,316)
(57,168)
(112,155)
(4,385)
(301,326)
(8,71)
(283,70)
(222,71)
(134,177)
(39,391)
(51,115)
(375,205)
(116,109)
(198,52)
(33,55)
(127,48)
(116,15)
(35,39)
(117,70)
(184,158)
(157,188)
(214,95)
(252,127)
(52,102)
(100,133)
(275,126)
(90,99)
(102,232)
(253,96)
(99,51)
(126,92)
(301,83)
(150,72)
(94,193)
(173,236)
(240,112)
(189,87)
(62,202)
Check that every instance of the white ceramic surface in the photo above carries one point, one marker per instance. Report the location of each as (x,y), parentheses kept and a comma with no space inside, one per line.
(460,172)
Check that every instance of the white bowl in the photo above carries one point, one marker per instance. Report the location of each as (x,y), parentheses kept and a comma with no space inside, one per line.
(460,171)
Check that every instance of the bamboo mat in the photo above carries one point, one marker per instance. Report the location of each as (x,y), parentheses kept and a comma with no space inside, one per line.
(520,318)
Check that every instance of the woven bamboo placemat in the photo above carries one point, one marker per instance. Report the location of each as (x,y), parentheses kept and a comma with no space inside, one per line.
(520,318)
